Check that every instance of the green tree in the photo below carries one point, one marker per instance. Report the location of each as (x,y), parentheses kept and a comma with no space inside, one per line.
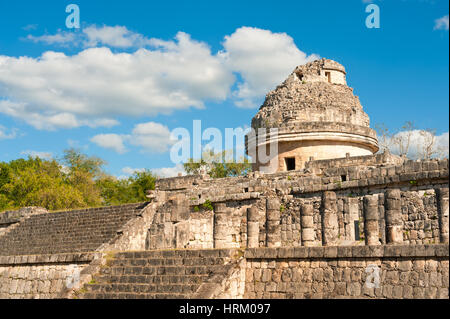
(133,189)
(77,161)
(218,165)
(75,181)
(36,182)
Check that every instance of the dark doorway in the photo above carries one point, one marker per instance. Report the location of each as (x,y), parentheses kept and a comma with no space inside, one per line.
(290,163)
(328,75)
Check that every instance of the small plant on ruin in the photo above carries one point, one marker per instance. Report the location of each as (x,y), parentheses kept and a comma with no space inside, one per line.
(196,208)
(79,292)
(289,177)
(413,182)
(238,254)
(208,205)
(282,208)
(92,282)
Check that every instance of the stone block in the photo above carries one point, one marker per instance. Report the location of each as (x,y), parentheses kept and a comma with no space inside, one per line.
(307,221)
(308,234)
(316,252)
(330,252)
(252,214)
(273,204)
(285,252)
(301,252)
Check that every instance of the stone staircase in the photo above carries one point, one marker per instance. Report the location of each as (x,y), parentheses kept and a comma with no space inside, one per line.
(68,231)
(161,274)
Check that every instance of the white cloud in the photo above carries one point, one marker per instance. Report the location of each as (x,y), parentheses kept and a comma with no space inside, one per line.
(61,38)
(29,27)
(4,135)
(162,172)
(441,23)
(151,137)
(110,141)
(96,84)
(117,36)
(130,171)
(263,59)
(43,155)
(442,143)
(169,171)
(93,36)
(417,142)
(50,119)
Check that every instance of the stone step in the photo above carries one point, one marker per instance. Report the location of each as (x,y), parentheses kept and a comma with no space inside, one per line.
(69,231)
(186,261)
(175,253)
(115,295)
(163,270)
(142,288)
(151,279)
(171,273)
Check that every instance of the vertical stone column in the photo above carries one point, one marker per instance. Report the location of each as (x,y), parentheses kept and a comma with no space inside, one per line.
(252,227)
(371,233)
(393,213)
(273,227)
(382,218)
(442,202)
(330,226)
(307,224)
(221,219)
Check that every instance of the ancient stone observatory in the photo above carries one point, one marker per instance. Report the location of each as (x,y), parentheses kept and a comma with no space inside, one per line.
(316,115)
(319,232)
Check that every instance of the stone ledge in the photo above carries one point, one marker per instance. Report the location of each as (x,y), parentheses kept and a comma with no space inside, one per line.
(68,258)
(226,198)
(318,184)
(336,252)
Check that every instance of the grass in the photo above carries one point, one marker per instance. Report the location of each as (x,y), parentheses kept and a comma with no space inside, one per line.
(208,205)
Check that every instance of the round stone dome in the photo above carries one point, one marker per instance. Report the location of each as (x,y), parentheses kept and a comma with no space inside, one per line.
(317,115)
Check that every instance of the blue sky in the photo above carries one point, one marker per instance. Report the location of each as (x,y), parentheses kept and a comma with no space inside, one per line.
(135,70)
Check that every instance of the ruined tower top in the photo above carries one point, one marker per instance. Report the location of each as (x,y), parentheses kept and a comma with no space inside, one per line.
(313,92)
(317,116)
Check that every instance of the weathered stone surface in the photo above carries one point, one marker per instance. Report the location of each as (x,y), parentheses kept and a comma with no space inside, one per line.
(412,212)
